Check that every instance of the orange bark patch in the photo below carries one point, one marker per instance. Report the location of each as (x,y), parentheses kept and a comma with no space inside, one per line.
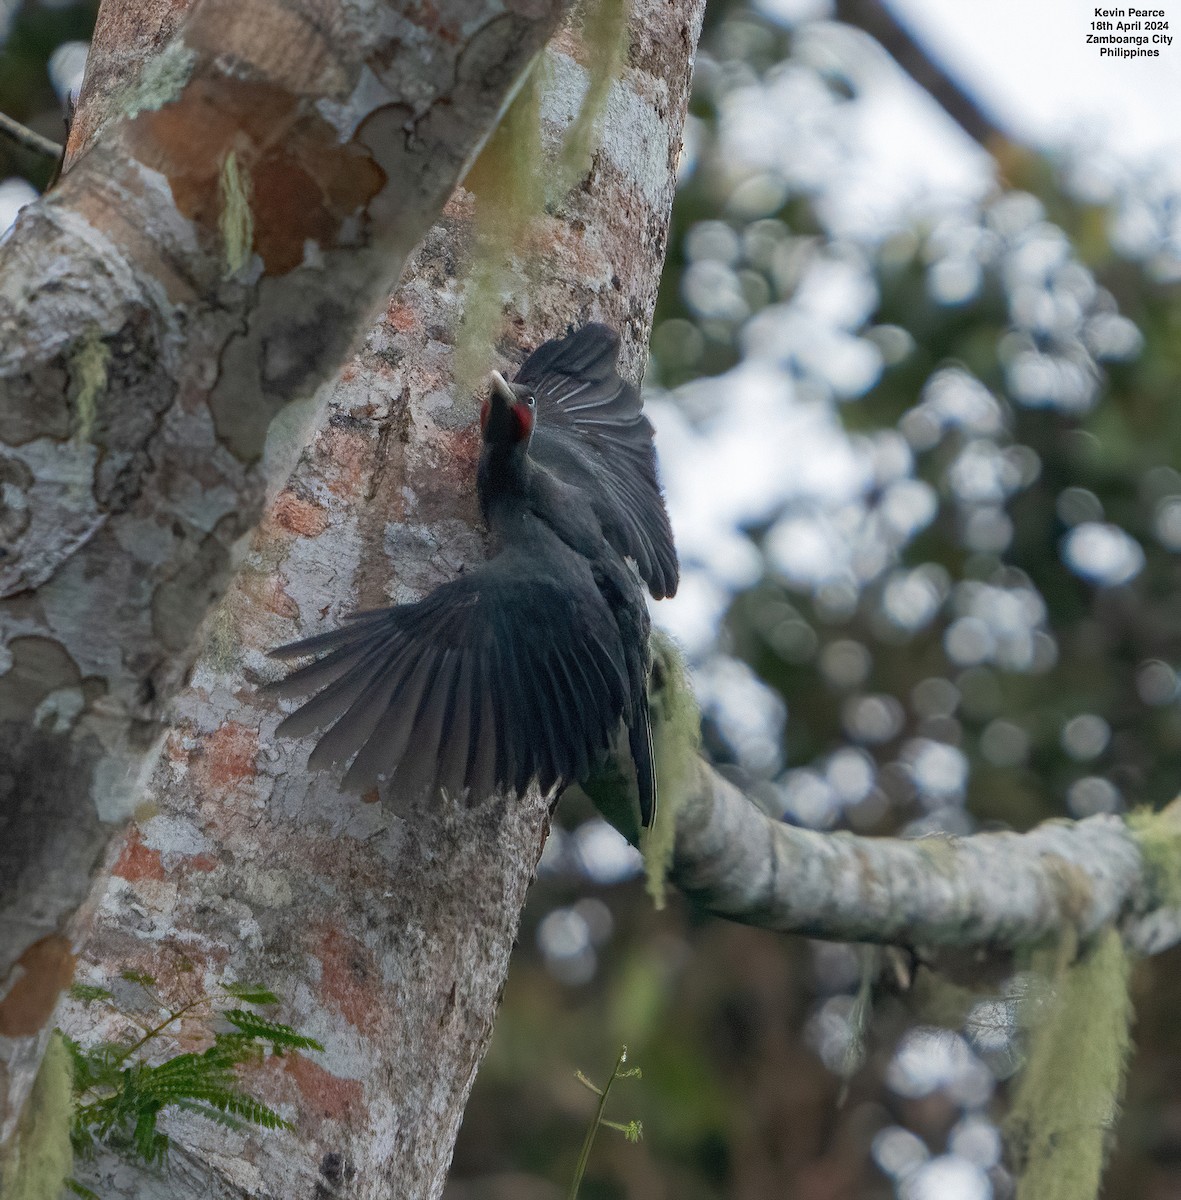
(45,968)
(351,981)
(302,183)
(201,862)
(402,317)
(276,600)
(230,753)
(137,861)
(267,592)
(465,446)
(298,516)
(350,454)
(324,1093)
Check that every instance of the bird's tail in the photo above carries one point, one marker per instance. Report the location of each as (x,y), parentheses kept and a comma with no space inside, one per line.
(640,739)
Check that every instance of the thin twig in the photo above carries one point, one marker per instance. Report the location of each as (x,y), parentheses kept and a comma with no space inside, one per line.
(589,1141)
(23,136)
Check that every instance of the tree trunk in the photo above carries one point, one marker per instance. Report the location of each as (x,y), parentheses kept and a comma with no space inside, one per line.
(251,197)
(388,937)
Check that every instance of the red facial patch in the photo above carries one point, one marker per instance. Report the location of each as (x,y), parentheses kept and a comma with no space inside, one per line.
(522,421)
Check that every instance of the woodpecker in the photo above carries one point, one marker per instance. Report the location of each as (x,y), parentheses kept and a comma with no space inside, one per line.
(524,668)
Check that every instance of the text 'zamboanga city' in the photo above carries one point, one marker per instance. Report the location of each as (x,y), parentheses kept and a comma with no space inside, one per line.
(1129,32)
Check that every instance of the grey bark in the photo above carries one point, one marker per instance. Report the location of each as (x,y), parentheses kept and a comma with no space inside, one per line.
(995,890)
(388,936)
(248,201)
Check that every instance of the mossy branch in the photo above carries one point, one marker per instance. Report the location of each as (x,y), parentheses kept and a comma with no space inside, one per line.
(1001,890)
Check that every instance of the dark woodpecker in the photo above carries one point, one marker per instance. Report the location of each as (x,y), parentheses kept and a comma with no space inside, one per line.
(523,668)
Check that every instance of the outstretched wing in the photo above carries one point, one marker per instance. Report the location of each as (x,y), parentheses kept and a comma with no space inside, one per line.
(591,431)
(501,677)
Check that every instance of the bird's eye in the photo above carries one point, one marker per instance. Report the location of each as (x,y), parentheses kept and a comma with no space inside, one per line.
(530,399)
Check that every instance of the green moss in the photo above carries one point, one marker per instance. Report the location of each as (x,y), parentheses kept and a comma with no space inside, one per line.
(237,221)
(88,372)
(162,80)
(222,641)
(605,39)
(676,735)
(510,181)
(1068,1095)
(41,1158)
(1158,834)
(507,183)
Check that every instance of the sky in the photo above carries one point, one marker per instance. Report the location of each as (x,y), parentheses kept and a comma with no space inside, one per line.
(1028,62)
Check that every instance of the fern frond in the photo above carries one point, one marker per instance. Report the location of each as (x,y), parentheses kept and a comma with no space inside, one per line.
(138,977)
(150,1143)
(216,1115)
(119,1097)
(278,1035)
(85,993)
(249,994)
(250,1110)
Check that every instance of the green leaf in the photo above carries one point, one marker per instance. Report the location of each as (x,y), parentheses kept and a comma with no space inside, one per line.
(270,1031)
(119,1096)
(250,994)
(210,1113)
(138,977)
(80,1189)
(86,992)
(253,1111)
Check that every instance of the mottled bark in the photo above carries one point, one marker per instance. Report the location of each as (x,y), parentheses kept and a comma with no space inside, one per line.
(249,199)
(388,937)
(998,890)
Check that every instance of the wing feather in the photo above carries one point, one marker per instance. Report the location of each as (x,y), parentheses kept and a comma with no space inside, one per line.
(510,674)
(591,431)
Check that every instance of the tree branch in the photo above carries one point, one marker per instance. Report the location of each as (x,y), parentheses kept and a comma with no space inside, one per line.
(876,18)
(997,890)
(28,139)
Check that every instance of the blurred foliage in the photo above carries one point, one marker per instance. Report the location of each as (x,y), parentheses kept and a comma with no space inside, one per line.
(991,638)
(30,31)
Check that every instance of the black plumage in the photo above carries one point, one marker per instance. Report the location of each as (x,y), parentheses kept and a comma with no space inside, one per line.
(523,668)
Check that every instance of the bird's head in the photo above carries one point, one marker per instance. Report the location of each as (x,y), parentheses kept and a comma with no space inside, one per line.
(508,413)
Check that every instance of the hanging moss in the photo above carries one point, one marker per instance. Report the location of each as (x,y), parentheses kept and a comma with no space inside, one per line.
(1158,834)
(511,179)
(42,1159)
(1068,1095)
(676,734)
(236,222)
(88,373)
(676,726)
(605,40)
(506,182)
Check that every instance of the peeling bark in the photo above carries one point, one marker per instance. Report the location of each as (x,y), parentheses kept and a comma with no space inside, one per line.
(249,198)
(996,890)
(388,936)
